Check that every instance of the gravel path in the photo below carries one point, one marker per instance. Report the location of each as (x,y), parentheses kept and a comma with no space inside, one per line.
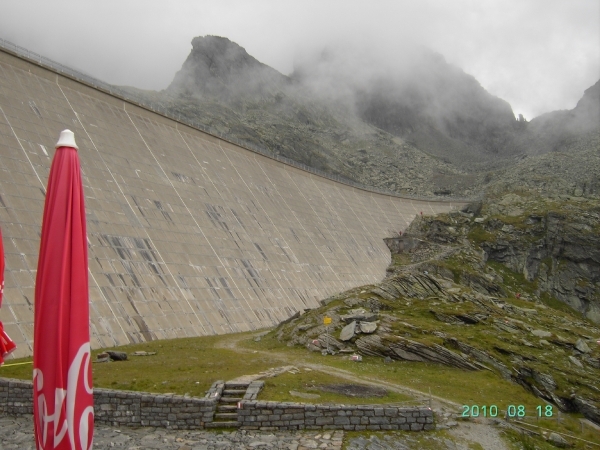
(486,435)
(16,433)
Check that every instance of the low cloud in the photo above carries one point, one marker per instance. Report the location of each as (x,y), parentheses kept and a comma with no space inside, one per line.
(539,55)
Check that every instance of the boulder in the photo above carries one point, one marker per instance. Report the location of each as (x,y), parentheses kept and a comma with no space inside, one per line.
(575,361)
(117,356)
(545,380)
(444,317)
(368,327)
(313,348)
(581,346)
(372,345)
(541,333)
(103,357)
(325,339)
(348,331)
(587,408)
(506,326)
(558,441)
(359,314)
(594,362)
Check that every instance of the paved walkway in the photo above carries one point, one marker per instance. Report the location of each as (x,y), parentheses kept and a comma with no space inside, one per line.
(17,433)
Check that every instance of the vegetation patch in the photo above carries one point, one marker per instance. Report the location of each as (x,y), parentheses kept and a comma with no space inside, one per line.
(325,388)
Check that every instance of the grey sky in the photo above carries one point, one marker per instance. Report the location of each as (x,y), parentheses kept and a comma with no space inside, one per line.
(539,55)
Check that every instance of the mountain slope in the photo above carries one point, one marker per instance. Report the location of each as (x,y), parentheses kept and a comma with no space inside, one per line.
(414,125)
(223,88)
(421,99)
(480,294)
(558,129)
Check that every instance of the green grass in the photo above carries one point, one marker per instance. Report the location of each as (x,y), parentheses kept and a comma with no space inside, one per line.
(557,305)
(181,366)
(191,365)
(479,235)
(568,426)
(514,281)
(469,388)
(278,388)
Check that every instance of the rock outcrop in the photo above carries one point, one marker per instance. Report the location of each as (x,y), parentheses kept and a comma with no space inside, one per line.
(220,69)
(467,292)
(558,250)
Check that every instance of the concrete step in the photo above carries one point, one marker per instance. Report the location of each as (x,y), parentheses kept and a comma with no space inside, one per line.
(229,424)
(224,416)
(226,408)
(230,399)
(237,385)
(234,392)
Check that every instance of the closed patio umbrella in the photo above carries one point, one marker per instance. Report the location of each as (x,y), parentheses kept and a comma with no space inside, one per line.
(62,376)
(6,344)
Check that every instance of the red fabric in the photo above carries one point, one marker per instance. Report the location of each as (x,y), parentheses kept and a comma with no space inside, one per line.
(1,268)
(6,344)
(62,375)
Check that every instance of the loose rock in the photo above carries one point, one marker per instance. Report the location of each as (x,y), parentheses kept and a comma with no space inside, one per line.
(582,346)
(368,327)
(118,356)
(348,331)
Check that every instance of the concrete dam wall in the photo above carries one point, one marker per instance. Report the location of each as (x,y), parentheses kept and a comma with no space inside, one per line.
(188,234)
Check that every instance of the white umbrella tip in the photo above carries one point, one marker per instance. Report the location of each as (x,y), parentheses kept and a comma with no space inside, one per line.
(66,139)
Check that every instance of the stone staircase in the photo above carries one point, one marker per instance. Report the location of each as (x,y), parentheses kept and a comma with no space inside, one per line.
(229,394)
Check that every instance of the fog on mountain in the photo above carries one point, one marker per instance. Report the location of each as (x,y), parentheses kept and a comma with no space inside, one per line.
(406,121)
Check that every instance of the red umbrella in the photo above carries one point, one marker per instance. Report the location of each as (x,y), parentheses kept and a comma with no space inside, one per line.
(6,345)
(62,376)
(1,268)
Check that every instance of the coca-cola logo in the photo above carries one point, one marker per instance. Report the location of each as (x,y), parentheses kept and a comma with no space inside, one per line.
(72,414)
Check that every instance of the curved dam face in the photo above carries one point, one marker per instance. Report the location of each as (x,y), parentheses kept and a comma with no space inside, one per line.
(188,234)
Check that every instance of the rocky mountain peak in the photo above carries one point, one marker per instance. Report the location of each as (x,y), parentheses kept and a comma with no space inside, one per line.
(589,104)
(219,68)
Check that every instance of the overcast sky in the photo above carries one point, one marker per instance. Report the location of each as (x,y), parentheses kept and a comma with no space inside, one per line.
(539,55)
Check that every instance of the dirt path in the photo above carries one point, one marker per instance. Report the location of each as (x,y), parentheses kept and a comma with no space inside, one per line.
(484,434)
(232,344)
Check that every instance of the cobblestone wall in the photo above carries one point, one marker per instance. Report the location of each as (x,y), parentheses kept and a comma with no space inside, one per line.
(295,416)
(16,397)
(127,408)
(121,407)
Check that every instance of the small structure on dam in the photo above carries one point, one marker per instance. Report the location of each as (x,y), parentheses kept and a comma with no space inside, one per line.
(188,234)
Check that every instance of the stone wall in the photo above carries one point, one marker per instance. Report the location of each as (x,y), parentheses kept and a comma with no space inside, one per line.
(296,416)
(16,397)
(121,408)
(127,408)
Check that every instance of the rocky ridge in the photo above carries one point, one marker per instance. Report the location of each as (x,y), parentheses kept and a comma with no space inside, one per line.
(456,295)
(423,128)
